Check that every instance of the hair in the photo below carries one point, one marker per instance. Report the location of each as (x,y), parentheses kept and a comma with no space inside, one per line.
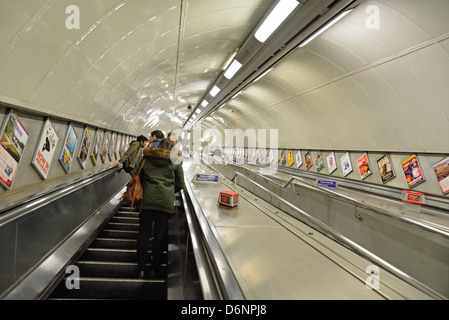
(142,138)
(158,133)
(166,143)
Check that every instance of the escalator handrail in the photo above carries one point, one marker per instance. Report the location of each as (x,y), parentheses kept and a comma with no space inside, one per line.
(228,284)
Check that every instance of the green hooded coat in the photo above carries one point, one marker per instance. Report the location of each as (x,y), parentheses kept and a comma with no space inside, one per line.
(160,178)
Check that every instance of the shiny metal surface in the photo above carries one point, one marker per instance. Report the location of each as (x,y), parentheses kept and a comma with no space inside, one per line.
(207,279)
(276,257)
(37,282)
(420,224)
(261,242)
(226,279)
(29,235)
(420,253)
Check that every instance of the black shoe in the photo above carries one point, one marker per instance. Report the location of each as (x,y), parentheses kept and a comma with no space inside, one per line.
(141,275)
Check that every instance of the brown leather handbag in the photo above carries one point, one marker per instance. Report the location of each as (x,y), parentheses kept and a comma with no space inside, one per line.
(134,190)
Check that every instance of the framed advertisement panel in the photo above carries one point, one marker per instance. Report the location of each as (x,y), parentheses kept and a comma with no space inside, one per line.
(105,147)
(298,159)
(45,150)
(412,171)
(346,165)
(441,169)
(386,168)
(13,139)
(96,147)
(331,162)
(364,166)
(68,149)
(112,146)
(319,163)
(84,149)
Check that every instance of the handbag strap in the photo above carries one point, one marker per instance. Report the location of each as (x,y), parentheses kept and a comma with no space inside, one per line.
(141,166)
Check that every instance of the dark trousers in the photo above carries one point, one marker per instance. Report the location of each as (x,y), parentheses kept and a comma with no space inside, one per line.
(146,218)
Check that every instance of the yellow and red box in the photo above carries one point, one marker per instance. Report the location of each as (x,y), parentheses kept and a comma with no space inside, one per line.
(228,198)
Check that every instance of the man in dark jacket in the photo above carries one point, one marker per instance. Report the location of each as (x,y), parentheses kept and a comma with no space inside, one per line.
(155,138)
(161,178)
(132,156)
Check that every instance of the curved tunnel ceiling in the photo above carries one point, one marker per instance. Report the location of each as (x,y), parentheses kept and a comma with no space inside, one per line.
(137,65)
(131,64)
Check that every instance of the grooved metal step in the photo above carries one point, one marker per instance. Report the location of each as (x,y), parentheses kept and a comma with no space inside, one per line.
(113,288)
(108,267)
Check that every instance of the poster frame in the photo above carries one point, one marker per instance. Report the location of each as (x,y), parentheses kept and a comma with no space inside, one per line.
(368,172)
(443,179)
(86,142)
(40,142)
(308,159)
(61,154)
(421,175)
(319,163)
(331,166)
(96,146)
(389,175)
(5,183)
(346,159)
(105,146)
(298,158)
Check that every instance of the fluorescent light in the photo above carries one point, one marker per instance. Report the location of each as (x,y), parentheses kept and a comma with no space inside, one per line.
(275,18)
(198,110)
(232,70)
(263,74)
(214,91)
(327,26)
(204,103)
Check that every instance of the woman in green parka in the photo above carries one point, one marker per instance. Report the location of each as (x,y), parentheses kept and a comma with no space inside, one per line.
(161,176)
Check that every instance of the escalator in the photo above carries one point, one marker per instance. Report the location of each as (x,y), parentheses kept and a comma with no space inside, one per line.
(108,267)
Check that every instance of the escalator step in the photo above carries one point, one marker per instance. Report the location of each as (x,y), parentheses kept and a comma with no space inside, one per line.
(114,243)
(119,234)
(123,226)
(105,269)
(113,288)
(104,254)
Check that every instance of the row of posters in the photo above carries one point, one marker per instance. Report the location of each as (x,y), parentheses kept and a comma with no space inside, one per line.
(410,166)
(14,137)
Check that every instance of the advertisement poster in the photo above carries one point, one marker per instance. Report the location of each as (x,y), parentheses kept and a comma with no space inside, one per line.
(104,149)
(96,148)
(68,149)
(331,163)
(308,158)
(346,165)
(117,147)
(12,143)
(290,158)
(363,165)
(84,150)
(298,159)
(283,159)
(412,171)
(386,168)
(112,146)
(442,172)
(319,163)
(45,149)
